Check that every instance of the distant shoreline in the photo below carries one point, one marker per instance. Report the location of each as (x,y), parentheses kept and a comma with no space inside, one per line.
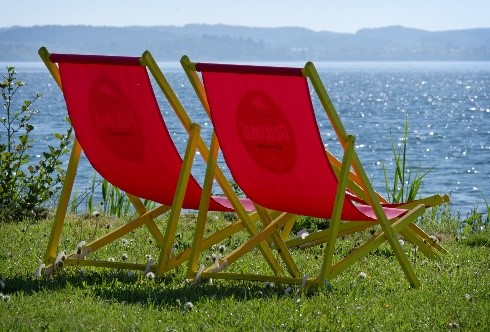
(240,44)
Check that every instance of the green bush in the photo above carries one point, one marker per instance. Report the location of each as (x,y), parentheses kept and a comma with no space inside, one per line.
(25,186)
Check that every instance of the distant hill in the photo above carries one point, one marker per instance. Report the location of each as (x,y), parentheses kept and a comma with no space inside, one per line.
(236,43)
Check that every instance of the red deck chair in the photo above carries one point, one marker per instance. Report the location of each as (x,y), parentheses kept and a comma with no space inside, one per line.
(264,121)
(119,126)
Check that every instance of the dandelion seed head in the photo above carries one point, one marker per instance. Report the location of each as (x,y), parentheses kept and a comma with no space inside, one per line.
(454,325)
(302,234)
(189,306)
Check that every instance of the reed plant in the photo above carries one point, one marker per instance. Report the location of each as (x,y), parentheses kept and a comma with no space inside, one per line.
(113,201)
(402,188)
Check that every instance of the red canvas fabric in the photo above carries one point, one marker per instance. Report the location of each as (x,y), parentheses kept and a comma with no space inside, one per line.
(265,123)
(118,123)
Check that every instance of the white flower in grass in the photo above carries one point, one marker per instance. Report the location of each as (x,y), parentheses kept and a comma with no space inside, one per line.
(150,275)
(58,262)
(362,275)
(38,272)
(148,265)
(302,234)
(80,246)
(188,306)
(454,325)
(197,279)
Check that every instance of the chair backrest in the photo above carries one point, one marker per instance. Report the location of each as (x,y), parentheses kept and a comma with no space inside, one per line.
(265,122)
(116,118)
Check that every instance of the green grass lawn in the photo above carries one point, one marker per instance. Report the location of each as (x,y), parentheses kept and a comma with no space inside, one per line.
(455,292)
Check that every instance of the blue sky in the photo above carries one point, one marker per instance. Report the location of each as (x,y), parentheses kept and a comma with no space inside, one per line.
(319,15)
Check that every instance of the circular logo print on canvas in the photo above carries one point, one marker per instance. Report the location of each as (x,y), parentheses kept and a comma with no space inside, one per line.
(265,132)
(114,119)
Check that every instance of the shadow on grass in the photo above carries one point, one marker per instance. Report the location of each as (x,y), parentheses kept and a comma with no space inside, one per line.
(119,287)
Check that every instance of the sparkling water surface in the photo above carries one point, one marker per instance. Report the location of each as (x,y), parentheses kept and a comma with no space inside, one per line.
(447,106)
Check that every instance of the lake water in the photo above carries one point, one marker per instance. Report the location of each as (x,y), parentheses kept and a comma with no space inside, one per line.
(447,105)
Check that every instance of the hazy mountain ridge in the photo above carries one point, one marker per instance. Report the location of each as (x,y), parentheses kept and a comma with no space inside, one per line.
(238,43)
